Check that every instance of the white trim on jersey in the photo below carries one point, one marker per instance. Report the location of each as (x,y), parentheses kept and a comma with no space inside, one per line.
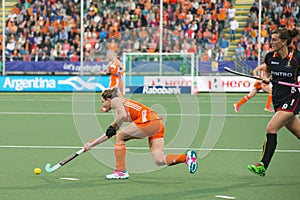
(133,105)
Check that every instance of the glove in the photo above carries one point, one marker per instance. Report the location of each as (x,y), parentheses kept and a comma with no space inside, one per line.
(266,82)
(102,109)
(110,131)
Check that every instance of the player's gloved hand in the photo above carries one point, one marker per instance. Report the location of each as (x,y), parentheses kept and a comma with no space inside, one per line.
(266,81)
(103,109)
(110,131)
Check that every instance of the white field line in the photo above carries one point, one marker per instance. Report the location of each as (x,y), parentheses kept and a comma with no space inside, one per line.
(175,114)
(145,148)
(204,100)
(70,179)
(225,197)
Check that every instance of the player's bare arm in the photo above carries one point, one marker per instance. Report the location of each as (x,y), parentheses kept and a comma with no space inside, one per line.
(121,115)
(259,68)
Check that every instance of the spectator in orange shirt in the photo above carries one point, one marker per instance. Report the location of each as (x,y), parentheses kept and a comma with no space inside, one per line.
(181,17)
(143,34)
(226,4)
(176,33)
(15,10)
(112,47)
(272,26)
(214,15)
(138,10)
(115,34)
(185,5)
(152,46)
(13,29)
(291,22)
(200,10)
(283,21)
(264,32)
(221,17)
(206,35)
(199,36)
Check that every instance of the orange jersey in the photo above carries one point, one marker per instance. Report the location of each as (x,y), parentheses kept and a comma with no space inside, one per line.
(113,68)
(139,113)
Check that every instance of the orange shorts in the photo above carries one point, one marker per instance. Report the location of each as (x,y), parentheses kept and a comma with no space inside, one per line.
(155,128)
(114,81)
(258,85)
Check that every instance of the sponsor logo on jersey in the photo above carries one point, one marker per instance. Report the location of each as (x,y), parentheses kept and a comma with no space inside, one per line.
(274,63)
(282,74)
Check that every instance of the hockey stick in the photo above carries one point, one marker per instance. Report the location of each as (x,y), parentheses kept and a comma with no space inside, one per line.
(241,74)
(258,78)
(48,167)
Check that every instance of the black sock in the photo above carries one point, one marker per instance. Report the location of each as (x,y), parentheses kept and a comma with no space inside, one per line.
(269,148)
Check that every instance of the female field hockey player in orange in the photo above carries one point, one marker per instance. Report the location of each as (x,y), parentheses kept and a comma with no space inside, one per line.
(143,122)
(113,71)
(116,71)
(258,85)
(120,77)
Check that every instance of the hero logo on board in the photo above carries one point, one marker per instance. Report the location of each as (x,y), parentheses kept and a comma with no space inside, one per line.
(35,83)
(161,90)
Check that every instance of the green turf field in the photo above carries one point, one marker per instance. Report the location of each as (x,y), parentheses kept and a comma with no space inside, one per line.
(37,128)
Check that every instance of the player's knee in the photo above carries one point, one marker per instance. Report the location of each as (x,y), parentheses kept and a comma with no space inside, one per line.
(119,138)
(270,129)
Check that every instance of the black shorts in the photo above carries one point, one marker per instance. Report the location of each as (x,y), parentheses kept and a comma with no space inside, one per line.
(291,105)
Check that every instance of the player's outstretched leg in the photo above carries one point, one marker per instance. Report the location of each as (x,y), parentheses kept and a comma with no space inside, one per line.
(191,161)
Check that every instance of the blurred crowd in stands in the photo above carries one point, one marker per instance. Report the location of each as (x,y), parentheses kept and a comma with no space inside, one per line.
(41,30)
(275,14)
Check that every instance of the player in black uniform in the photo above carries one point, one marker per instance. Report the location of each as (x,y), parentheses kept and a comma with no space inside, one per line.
(282,65)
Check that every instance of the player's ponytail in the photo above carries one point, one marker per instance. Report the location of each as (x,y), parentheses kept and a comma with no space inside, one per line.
(110,93)
(294,32)
(287,34)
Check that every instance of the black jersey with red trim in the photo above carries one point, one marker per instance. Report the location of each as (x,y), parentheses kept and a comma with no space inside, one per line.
(286,70)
